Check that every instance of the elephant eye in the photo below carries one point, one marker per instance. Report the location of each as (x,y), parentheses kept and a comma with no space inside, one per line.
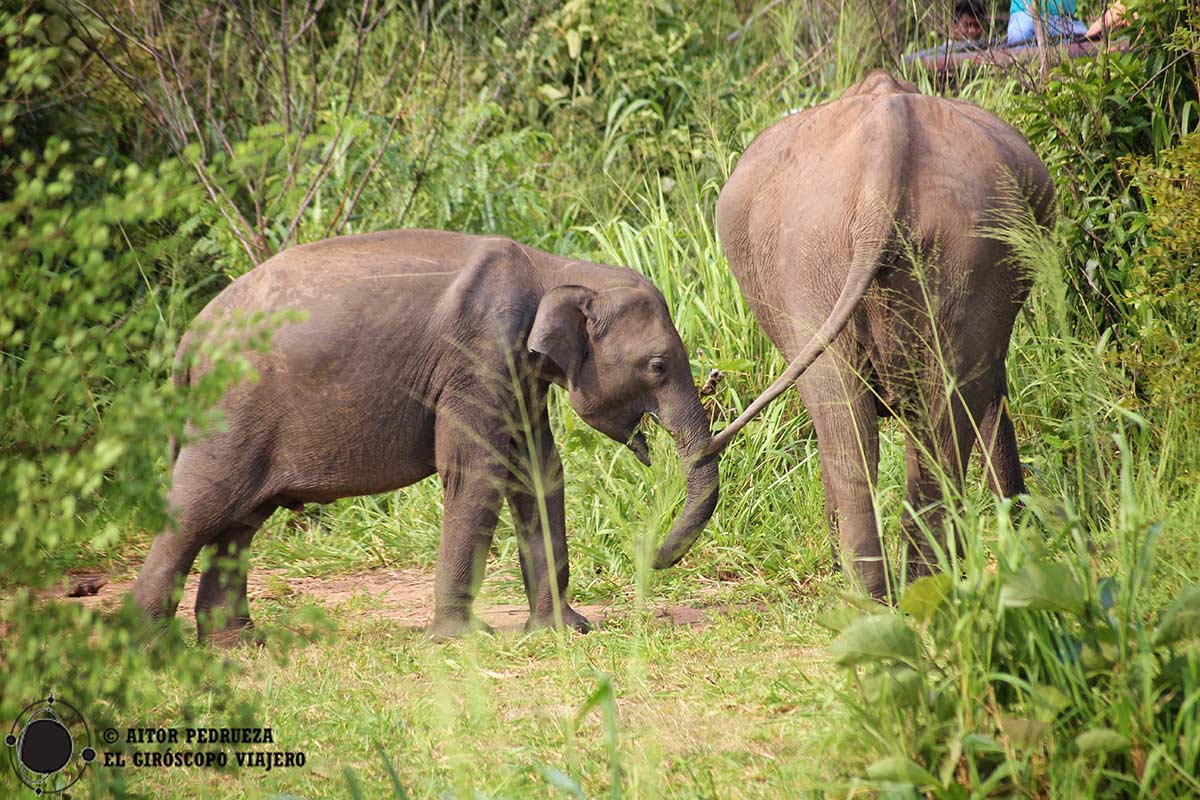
(658,366)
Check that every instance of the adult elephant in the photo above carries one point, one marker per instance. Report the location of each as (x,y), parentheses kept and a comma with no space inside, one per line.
(422,352)
(858,232)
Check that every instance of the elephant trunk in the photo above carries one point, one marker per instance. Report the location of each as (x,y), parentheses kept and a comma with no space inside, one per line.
(688,424)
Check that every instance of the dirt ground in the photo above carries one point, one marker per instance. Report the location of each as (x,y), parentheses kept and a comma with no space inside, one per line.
(404,596)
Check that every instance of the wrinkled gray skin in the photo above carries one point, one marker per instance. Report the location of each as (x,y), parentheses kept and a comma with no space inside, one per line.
(817,221)
(422,352)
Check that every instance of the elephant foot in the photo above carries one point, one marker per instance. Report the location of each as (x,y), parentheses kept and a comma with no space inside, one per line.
(157,603)
(445,628)
(919,568)
(240,633)
(571,619)
(871,576)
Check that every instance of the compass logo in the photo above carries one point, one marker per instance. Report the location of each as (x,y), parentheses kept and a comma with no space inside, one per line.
(50,746)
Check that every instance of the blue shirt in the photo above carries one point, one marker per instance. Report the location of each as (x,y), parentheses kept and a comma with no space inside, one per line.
(1056,8)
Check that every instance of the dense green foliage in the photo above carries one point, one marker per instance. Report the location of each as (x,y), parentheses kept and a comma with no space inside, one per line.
(150,152)
(88,324)
(1163,283)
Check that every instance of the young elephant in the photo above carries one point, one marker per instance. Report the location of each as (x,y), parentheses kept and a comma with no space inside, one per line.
(860,229)
(422,352)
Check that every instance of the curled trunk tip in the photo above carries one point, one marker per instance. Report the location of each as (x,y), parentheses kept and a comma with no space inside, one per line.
(703,491)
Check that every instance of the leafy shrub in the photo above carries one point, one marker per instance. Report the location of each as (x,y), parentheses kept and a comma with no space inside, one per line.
(1164,283)
(618,68)
(86,343)
(1093,113)
(108,668)
(1035,674)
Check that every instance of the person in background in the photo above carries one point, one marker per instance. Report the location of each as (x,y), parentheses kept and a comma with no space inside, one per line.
(967,29)
(1057,15)
(969,20)
(1113,18)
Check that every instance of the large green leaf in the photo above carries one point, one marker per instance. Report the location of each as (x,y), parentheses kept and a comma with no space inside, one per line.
(736,365)
(1043,586)
(1096,659)
(1024,733)
(874,638)
(1181,620)
(838,618)
(981,743)
(924,597)
(896,685)
(1101,740)
(898,769)
(1050,701)
(862,602)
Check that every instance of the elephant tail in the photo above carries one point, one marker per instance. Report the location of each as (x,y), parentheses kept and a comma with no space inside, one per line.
(870,242)
(181,376)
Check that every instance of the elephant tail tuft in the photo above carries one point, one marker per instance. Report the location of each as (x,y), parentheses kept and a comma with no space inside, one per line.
(181,376)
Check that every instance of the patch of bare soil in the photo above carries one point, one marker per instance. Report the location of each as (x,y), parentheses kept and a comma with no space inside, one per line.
(404,596)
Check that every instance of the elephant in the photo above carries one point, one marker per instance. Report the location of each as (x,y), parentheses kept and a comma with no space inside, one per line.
(419,352)
(862,234)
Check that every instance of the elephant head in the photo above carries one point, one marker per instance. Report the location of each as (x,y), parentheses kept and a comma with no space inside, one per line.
(620,358)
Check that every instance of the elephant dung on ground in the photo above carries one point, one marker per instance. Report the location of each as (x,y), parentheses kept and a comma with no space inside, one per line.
(422,352)
(858,232)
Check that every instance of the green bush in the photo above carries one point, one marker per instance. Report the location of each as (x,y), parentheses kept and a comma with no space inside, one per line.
(1093,113)
(1164,282)
(1035,674)
(87,335)
(86,417)
(115,674)
(88,327)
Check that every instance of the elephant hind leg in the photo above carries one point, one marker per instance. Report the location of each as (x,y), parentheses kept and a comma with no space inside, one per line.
(937,448)
(203,509)
(159,584)
(222,606)
(998,444)
(846,421)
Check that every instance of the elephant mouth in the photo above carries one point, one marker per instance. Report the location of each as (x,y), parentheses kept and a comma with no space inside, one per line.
(637,445)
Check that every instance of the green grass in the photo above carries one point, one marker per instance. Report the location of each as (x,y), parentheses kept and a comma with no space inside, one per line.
(693,711)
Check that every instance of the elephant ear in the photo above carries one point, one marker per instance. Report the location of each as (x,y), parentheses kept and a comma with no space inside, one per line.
(560,328)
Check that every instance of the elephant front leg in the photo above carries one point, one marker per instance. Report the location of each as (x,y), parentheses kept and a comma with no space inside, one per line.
(473,490)
(540,521)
